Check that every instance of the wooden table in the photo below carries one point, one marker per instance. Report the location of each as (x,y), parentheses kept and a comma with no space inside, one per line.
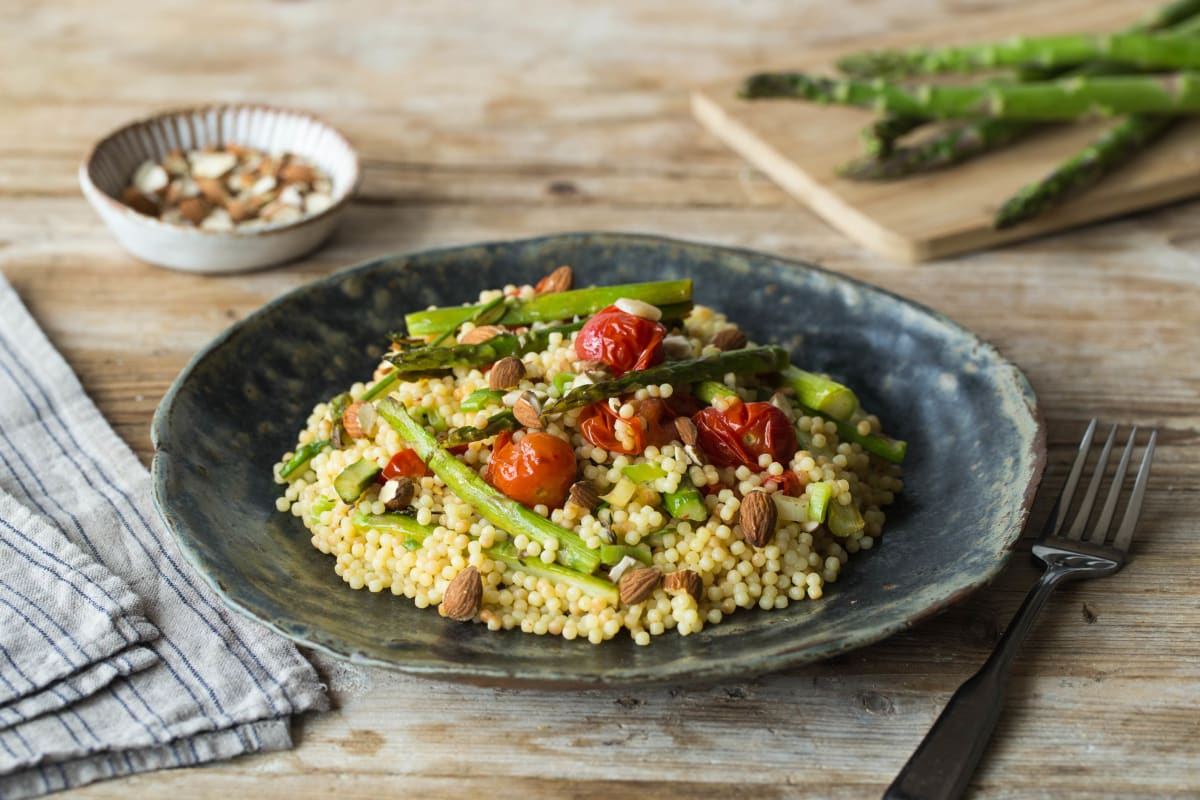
(484,121)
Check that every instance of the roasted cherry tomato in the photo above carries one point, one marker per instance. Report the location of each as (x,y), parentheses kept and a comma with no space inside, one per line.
(597,424)
(405,464)
(789,483)
(743,432)
(621,340)
(651,424)
(539,468)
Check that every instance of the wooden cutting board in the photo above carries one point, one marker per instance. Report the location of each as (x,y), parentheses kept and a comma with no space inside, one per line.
(799,145)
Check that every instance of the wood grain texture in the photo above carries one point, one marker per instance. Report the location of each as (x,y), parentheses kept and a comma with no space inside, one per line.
(801,145)
(475,122)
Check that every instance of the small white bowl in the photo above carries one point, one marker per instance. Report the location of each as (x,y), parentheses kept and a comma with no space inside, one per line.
(107,169)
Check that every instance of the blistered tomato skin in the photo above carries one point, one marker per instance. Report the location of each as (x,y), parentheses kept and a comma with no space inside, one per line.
(741,433)
(406,464)
(539,468)
(621,340)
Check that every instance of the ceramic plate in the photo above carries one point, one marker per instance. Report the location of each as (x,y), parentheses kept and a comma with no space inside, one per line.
(975,457)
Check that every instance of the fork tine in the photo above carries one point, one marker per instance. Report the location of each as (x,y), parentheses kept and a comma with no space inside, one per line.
(1100,529)
(1059,513)
(1089,497)
(1134,510)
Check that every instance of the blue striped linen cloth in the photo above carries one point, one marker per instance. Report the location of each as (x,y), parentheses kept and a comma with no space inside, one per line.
(115,658)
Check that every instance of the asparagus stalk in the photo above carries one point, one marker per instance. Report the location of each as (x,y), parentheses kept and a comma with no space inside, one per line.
(1139,50)
(885,447)
(1168,16)
(502,421)
(431,359)
(395,524)
(592,585)
(304,453)
(1114,147)
(708,391)
(955,146)
(559,305)
(483,313)
(1069,98)
(830,398)
(748,360)
(495,507)
(880,137)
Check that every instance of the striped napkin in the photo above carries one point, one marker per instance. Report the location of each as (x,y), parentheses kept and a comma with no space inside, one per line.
(115,658)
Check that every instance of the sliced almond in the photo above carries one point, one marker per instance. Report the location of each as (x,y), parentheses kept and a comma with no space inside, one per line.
(584,494)
(317,202)
(638,584)
(463,596)
(528,410)
(757,517)
(194,209)
(687,431)
(678,347)
(217,220)
(211,164)
(240,210)
(561,280)
(293,172)
(149,178)
(359,419)
(729,339)
(506,373)
(397,493)
(212,190)
(181,189)
(621,567)
(639,308)
(481,334)
(139,201)
(686,581)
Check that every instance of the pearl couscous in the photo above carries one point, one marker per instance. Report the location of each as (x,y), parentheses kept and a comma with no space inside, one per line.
(661,563)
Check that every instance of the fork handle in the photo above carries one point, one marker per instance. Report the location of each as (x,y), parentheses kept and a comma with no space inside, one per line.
(943,763)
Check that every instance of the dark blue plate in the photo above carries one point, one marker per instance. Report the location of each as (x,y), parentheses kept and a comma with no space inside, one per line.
(975,457)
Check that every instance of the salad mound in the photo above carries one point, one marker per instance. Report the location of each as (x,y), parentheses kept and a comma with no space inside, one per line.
(578,462)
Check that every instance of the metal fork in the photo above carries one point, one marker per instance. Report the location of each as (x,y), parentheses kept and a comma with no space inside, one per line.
(943,763)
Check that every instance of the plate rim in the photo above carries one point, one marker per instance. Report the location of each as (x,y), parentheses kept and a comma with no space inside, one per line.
(481,673)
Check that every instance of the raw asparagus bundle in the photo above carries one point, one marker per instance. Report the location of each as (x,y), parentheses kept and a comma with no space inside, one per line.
(972,138)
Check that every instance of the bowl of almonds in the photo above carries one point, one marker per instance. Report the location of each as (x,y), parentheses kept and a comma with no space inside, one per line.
(221,188)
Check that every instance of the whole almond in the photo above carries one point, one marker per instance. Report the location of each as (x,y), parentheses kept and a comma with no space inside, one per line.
(685,580)
(584,494)
(506,373)
(638,584)
(687,431)
(561,280)
(528,410)
(757,517)
(463,595)
(481,334)
(730,339)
